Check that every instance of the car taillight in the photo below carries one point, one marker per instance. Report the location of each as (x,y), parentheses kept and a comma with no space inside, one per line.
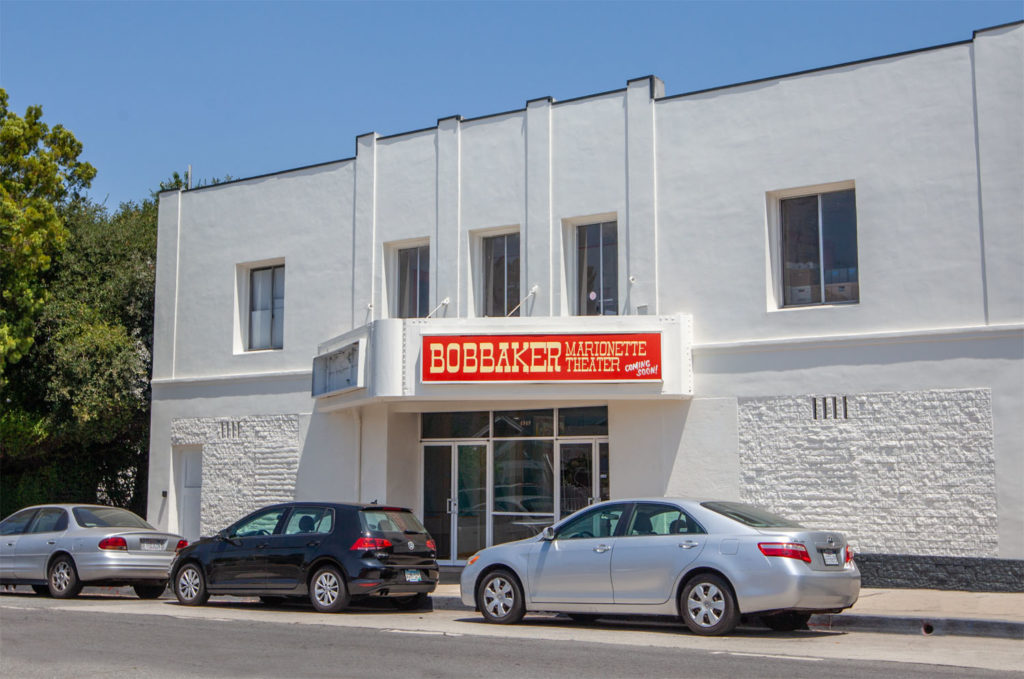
(113,543)
(790,550)
(182,544)
(370,544)
(431,545)
(849,553)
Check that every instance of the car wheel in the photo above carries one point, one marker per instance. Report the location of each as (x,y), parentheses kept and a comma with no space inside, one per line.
(500,598)
(41,589)
(190,585)
(583,617)
(150,591)
(787,622)
(412,603)
(63,578)
(328,591)
(707,606)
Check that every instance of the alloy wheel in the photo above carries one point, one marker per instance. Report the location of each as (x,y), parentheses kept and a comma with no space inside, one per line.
(61,576)
(499,597)
(326,588)
(189,583)
(705,605)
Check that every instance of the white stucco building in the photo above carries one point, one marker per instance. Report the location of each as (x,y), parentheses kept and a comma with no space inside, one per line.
(805,291)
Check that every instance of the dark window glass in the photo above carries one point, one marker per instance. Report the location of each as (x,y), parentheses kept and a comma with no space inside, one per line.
(750,515)
(266,308)
(390,521)
(656,519)
(597,266)
(49,520)
(113,517)
(471,425)
(15,523)
(524,478)
(414,282)
(310,520)
(590,421)
(596,523)
(263,522)
(510,423)
(501,275)
(819,246)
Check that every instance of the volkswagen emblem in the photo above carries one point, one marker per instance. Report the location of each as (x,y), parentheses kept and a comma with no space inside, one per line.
(831,540)
(412,545)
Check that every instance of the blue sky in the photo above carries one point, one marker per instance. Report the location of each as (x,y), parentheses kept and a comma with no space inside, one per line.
(246,88)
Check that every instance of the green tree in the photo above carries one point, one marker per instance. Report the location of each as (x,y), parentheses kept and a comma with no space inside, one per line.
(39,175)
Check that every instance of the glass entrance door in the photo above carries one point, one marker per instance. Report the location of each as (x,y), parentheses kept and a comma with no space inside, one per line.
(456,520)
(583,475)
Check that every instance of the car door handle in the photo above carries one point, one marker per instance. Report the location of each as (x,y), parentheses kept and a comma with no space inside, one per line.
(601,549)
(51,542)
(263,546)
(313,543)
(688,544)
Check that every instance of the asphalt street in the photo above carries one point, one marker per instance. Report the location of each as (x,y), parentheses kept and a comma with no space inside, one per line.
(101,636)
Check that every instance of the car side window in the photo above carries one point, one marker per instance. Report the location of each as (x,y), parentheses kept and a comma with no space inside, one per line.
(260,523)
(659,519)
(49,520)
(599,522)
(310,520)
(16,523)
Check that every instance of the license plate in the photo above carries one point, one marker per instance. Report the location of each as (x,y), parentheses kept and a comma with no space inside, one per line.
(413,576)
(831,557)
(151,545)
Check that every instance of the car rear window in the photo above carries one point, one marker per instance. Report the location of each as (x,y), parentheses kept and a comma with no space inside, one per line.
(391,521)
(113,517)
(750,515)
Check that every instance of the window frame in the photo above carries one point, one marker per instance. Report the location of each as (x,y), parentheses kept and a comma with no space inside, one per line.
(775,255)
(252,271)
(511,303)
(573,264)
(393,265)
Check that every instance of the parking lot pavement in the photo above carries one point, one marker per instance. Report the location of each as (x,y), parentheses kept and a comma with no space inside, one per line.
(813,644)
(897,611)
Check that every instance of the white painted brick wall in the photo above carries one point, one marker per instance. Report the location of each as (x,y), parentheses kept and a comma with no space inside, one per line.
(903,472)
(248,462)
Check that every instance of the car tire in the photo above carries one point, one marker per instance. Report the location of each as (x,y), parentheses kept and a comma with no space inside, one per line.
(62,578)
(328,591)
(41,589)
(412,603)
(787,622)
(150,591)
(499,597)
(190,585)
(583,617)
(707,606)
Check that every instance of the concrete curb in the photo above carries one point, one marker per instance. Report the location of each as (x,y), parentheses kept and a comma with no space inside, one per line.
(845,622)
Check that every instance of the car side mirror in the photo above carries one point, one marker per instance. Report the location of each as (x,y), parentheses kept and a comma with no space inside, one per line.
(548,534)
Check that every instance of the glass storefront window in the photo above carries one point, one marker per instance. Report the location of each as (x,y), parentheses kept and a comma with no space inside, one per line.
(524,476)
(522,423)
(472,425)
(591,421)
(510,527)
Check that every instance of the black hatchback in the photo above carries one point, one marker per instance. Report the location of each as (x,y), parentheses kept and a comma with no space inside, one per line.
(332,553)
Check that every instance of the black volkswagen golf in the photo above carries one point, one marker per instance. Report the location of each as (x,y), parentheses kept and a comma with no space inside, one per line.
(332,553)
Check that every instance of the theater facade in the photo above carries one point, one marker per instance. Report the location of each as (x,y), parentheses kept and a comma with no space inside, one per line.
(805,292)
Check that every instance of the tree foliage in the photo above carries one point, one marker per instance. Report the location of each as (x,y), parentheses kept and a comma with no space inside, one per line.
(39,175)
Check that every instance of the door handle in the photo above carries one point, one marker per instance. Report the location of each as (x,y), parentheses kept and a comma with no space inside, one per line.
(263,546)
(51,542)
(451,506)
(600,549)
(314,543)
(688,544)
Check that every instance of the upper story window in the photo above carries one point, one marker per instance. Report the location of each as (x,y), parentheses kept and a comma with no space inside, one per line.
(501,275)
(266,308)
(413,282)
(597,269)
(819,248)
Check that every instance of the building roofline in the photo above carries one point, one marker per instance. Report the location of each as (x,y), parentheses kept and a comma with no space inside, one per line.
(553,102)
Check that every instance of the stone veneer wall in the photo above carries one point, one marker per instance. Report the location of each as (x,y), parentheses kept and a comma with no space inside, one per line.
(248,462)
(909,473)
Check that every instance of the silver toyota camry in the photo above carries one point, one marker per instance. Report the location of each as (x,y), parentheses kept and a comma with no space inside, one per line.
(707,562)
(57,549)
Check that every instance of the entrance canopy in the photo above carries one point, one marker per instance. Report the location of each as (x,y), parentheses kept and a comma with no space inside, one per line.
(604,357)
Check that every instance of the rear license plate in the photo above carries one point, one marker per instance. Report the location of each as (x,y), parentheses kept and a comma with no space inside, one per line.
(413,576)
(831,557)
(151,545)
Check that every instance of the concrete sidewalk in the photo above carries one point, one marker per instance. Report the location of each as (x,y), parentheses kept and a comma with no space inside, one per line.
(898,611)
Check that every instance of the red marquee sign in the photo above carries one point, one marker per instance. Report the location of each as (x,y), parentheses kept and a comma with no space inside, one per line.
(607,357)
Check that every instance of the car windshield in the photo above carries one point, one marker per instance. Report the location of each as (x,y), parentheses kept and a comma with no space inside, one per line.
(749,515)
(113,517)
(391,521)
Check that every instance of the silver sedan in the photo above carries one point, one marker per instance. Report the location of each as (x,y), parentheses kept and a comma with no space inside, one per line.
(57,549)
(706,562)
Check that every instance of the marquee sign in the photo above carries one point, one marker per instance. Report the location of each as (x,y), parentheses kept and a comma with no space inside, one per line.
(576,357)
